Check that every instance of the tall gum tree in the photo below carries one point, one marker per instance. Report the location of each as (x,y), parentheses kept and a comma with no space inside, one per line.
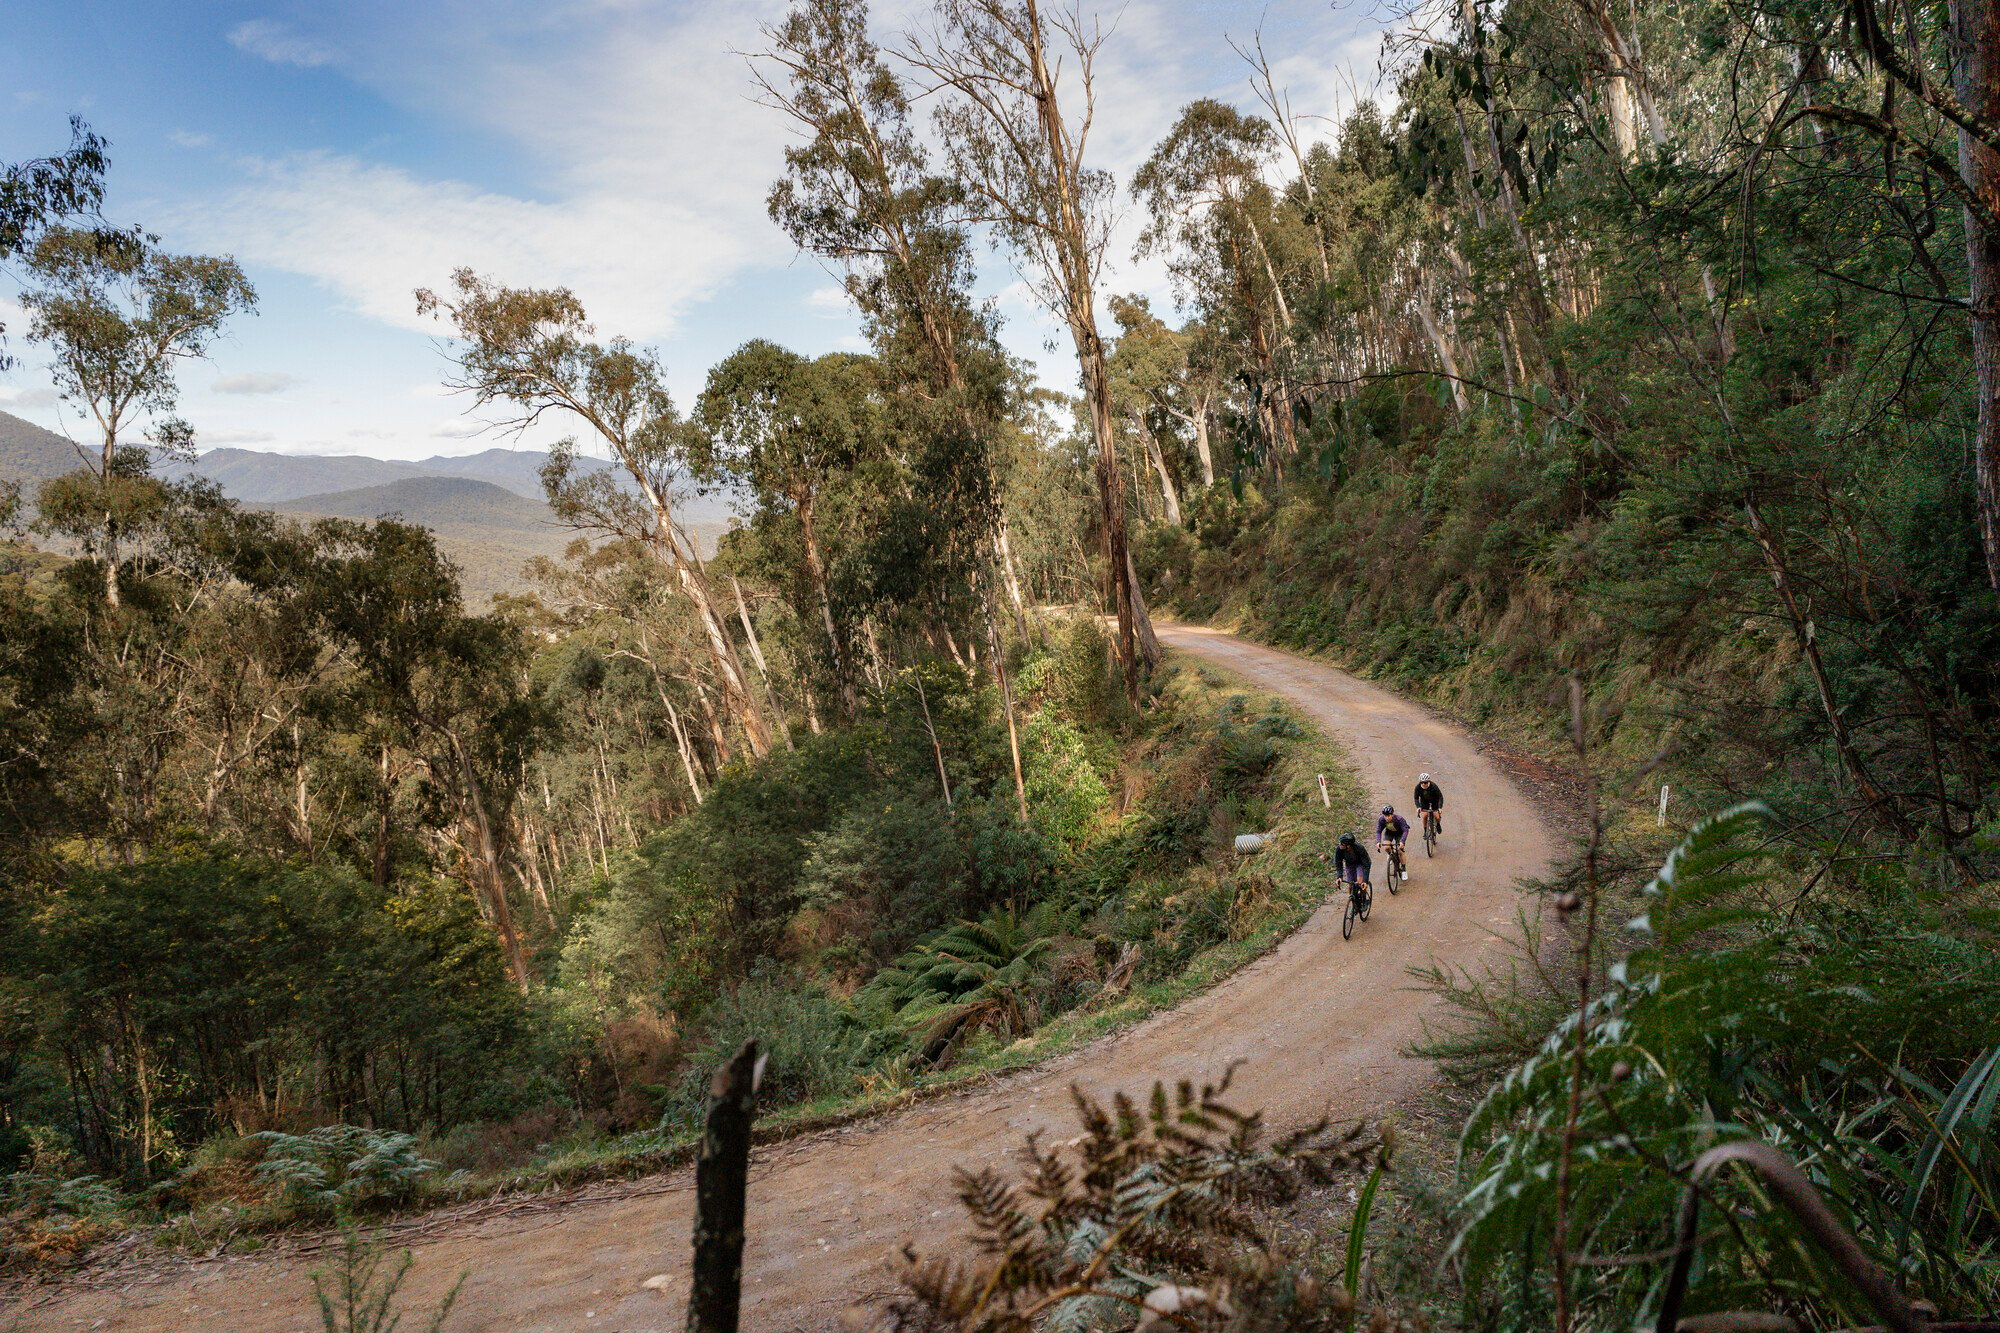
(1022,161)
(784,427)
(119,317)
(533,349)
(859,191)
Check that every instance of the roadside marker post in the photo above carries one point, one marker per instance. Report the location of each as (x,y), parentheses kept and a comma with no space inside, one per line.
(1325,799)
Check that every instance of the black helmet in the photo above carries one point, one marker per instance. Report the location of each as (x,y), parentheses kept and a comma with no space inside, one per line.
(1347,840)
(1388,809)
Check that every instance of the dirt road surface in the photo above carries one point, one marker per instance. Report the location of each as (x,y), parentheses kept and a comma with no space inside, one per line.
(1319,1024)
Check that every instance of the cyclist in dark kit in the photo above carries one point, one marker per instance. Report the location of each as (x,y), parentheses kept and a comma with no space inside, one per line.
(1429,796)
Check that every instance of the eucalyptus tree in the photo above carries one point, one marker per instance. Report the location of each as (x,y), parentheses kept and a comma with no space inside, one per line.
(119,317)
(1211,214)
(860,191)
(1022,158)
(38,194)
(786,428)
(533,351)
(447,686)
(1148,366)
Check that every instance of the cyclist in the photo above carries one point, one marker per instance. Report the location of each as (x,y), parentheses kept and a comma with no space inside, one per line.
(1429,796)
(1352,864)
(1391,827)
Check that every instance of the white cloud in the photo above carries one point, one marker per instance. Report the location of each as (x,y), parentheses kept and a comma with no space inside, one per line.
(38,396)
(189,139)
(829,301)
(207,438)
(255,382)
(276,42)
(652,162)
(373,234)
(464,428)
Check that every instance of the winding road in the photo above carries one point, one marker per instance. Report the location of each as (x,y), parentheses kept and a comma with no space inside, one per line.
(1318,1023)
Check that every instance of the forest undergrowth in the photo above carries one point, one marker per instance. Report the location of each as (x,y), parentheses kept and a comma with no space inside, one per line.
(1134,900)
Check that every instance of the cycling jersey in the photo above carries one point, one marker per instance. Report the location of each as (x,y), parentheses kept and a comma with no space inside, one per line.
(1352,858)
(1429,796)
(1397,828)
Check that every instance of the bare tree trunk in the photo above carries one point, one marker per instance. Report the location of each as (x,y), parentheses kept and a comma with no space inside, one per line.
(763,667)
(1149,642)
(735,691)
(721,1186)
(1198,418)
(930,729)
(1975,76)
(680,740)
(1007,700)
(491,868)
(1014,597)
(875,670)
(383,800)
(1446,353)
(1168,495)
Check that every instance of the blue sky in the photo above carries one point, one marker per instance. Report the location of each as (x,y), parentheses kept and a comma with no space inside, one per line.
(348,151)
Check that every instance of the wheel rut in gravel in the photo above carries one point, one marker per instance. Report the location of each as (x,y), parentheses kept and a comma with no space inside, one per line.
(1318,1025)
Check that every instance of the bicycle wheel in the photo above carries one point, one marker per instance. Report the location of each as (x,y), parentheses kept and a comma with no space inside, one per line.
(1347,918)
(1367,904)
(1430,835)
(1395,873)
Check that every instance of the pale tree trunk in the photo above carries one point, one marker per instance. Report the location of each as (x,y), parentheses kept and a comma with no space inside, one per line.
(737,696)
(875,670)
(1446,353)
(1014,598)
(1975,77)
(1627,89)
(817,569)
(1149,643)
(763,667)
(1007,700)
(1072,244)
(490,867)
(1169,497)
(1111,501)
(680,740)
(1624,119)
(1199,418)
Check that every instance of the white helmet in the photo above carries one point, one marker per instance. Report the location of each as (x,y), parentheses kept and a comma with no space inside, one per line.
(1423,777)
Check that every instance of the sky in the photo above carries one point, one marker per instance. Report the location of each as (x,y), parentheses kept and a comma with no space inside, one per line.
(346,152)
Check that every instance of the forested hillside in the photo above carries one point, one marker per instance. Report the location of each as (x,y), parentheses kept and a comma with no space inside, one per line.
(1624,381)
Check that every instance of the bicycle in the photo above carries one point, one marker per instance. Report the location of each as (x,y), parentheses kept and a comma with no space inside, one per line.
(1431,831)
(1359,900)
(1397,867)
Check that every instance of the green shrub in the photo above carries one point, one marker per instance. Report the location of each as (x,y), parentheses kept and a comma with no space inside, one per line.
(813,1045)
(344,1166)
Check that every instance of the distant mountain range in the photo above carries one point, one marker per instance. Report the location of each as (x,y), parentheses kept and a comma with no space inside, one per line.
(486,508)
(30,454)
(255,477)
(490,532)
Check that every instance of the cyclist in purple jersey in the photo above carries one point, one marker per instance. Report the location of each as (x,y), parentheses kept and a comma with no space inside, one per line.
(1391,827)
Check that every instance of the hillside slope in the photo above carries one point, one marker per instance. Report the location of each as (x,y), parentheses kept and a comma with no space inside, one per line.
(488,531)
(28,453)
(1320,1025)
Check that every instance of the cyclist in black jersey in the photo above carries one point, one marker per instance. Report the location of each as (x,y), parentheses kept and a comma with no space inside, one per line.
(1351,861)
(1429,796)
